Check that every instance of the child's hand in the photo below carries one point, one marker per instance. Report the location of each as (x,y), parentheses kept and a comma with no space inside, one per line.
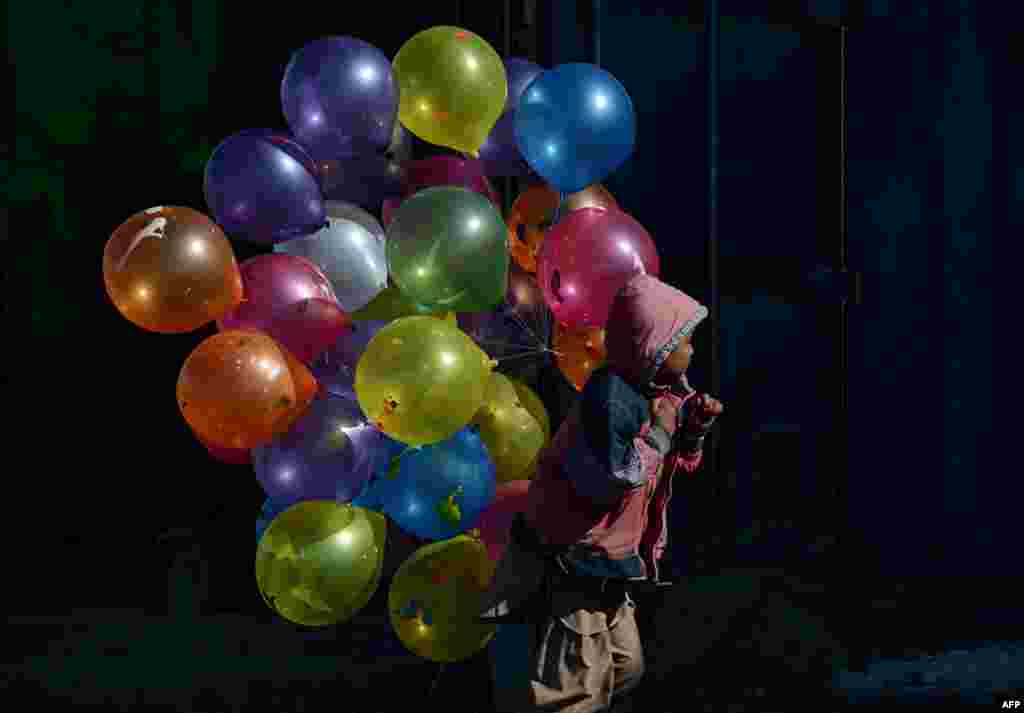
(664,415)
(704,411)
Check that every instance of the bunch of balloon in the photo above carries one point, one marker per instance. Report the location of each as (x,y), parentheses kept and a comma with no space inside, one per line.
(513,434)
(534,212)
(290,299)
(452,88)
(319,562)
(421,379)
(586,258)
(259,188)
(499,152)
(435,598)
(350,252)
(339,96)
(579,353)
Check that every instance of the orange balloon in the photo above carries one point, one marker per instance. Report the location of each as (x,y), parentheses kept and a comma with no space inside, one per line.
(239,389)
(533,212)
(171,270)
(579,353)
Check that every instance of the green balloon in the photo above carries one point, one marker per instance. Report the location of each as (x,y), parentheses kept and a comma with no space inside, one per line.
(421,379)
(319,562)
(447,250)
(436,596)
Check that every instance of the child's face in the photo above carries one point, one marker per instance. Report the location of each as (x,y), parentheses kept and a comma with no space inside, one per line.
(677,363)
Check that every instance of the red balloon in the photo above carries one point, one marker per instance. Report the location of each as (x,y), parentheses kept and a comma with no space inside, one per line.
(448,171)
(310,327)
(273,286)
(496,521)
(586,258)
(231,456)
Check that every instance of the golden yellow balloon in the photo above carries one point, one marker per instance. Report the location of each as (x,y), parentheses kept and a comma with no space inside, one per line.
(319,562)
(512,434)
(436,596)
(421,379)
(452,87)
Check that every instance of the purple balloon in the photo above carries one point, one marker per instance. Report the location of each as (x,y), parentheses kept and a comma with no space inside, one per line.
(519,72)
(499,153)
(340,97)
(257,190)
(327,454)
(335,369)
(365,179)
(286,142)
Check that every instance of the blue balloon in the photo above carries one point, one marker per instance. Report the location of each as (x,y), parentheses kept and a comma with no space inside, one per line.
(335,369)
(574,125)
(441,489)
(383,452)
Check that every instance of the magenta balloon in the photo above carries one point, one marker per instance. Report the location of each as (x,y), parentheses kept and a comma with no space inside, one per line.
(496,521)
(586,258)
(271,283)
(340,97)
(309,327)
(448,171)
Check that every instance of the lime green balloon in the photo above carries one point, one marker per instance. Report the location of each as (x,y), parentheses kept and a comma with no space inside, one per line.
(447,250)
(319,562)
(436,596)
(452,87)
(512,434)
(421,379)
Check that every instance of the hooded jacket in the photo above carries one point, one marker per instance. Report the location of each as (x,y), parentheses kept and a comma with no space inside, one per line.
(599,500)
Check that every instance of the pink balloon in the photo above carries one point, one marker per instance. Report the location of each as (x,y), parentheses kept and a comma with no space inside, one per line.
(231,456)
(586,258)
(448,171)
(271,284)
(496,521)
(310,327)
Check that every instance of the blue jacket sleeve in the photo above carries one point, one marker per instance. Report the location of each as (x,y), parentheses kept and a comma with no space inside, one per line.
(604,465)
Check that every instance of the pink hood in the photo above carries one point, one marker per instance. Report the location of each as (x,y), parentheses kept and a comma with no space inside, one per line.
(648,319)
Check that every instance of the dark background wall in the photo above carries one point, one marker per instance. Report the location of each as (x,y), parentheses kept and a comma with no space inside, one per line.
(119,104)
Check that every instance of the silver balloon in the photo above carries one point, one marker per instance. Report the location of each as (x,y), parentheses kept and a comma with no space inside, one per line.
(352,258)
(400,148)
(350,211)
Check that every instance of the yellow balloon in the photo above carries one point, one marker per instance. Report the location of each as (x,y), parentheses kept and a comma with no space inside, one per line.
(436,596)
(421,379)
(319,563)
(532,403)
(452,87)
(512,434)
